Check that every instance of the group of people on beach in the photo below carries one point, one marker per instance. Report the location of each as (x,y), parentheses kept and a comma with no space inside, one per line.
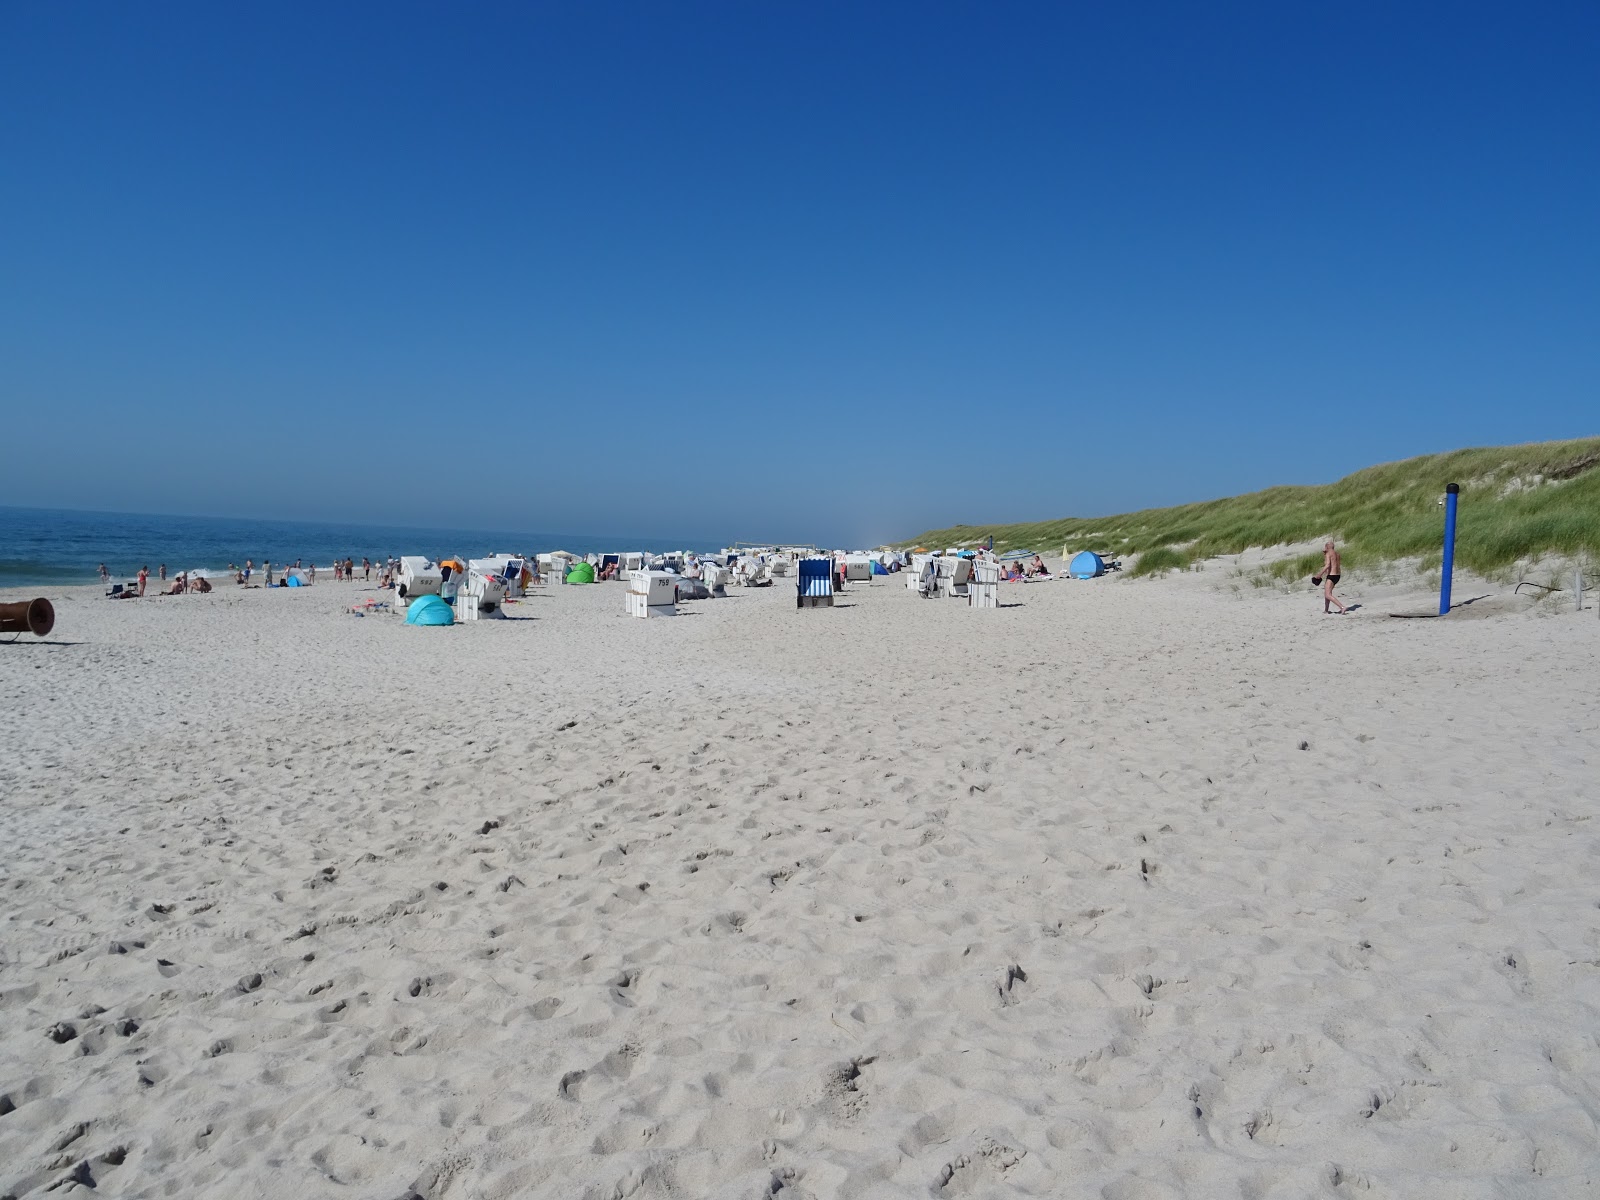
(1020,572)
(344,571)
(183,582)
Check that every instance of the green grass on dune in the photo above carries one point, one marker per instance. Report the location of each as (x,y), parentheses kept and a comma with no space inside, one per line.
(1517,503)
(1160,560)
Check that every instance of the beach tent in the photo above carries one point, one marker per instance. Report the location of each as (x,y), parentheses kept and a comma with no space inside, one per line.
(581,573)
(429,610)
(1087,565)
(292,580)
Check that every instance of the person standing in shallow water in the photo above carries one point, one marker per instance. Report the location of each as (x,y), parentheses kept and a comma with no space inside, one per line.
(1329,577)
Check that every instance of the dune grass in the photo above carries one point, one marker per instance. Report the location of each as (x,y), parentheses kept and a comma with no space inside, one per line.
(1517,503)
(1158,561)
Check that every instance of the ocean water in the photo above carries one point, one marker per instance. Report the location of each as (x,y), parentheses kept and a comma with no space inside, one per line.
(40,547)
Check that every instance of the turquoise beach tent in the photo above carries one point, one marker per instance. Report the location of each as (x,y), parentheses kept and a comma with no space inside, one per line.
(293,581)
(1087,565)
(429,610)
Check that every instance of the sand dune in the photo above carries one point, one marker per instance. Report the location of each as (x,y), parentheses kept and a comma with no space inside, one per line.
(1127,890)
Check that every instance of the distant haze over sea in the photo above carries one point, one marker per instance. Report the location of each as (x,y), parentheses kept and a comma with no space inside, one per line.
(40,547)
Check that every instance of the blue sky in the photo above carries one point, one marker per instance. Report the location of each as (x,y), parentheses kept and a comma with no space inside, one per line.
(821,270)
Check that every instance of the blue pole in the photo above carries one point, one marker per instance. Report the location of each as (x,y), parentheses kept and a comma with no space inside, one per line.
(1449,566)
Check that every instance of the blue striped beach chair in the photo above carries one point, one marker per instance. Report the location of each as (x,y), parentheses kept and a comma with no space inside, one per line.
(815,587)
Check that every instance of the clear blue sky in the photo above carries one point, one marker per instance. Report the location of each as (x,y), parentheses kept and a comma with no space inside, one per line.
(844,270)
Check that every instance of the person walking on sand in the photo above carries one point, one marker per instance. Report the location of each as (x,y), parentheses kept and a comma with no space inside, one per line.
(163,571)
(144,576)
(1329,577)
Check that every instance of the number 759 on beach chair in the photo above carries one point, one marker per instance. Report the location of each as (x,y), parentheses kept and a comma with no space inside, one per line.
(815,585)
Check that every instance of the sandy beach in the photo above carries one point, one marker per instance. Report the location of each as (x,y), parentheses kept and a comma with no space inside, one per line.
(1129,889)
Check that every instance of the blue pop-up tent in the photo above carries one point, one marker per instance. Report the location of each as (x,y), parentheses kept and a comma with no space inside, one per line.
(429,610)
(1086,565)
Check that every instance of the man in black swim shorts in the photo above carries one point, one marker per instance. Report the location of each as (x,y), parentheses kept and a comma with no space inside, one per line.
(1329,577)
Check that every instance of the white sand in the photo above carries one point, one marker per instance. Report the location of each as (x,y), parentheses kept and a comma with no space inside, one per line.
(898,899)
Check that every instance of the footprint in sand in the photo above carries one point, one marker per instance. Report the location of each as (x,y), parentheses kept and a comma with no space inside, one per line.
(622,987)
(988,1165)
(568,1088)
(1010,978)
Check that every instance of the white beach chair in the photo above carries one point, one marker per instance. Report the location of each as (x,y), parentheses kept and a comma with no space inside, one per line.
(959,576)
(984,589)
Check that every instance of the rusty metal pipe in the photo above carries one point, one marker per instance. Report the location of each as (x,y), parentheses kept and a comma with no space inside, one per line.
(37,617)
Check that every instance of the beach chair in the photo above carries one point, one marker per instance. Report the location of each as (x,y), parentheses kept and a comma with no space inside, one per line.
(927,579)
(955,583)
(984,589)
(814,589)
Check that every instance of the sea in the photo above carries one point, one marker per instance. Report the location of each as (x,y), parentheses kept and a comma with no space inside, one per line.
(42,547)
